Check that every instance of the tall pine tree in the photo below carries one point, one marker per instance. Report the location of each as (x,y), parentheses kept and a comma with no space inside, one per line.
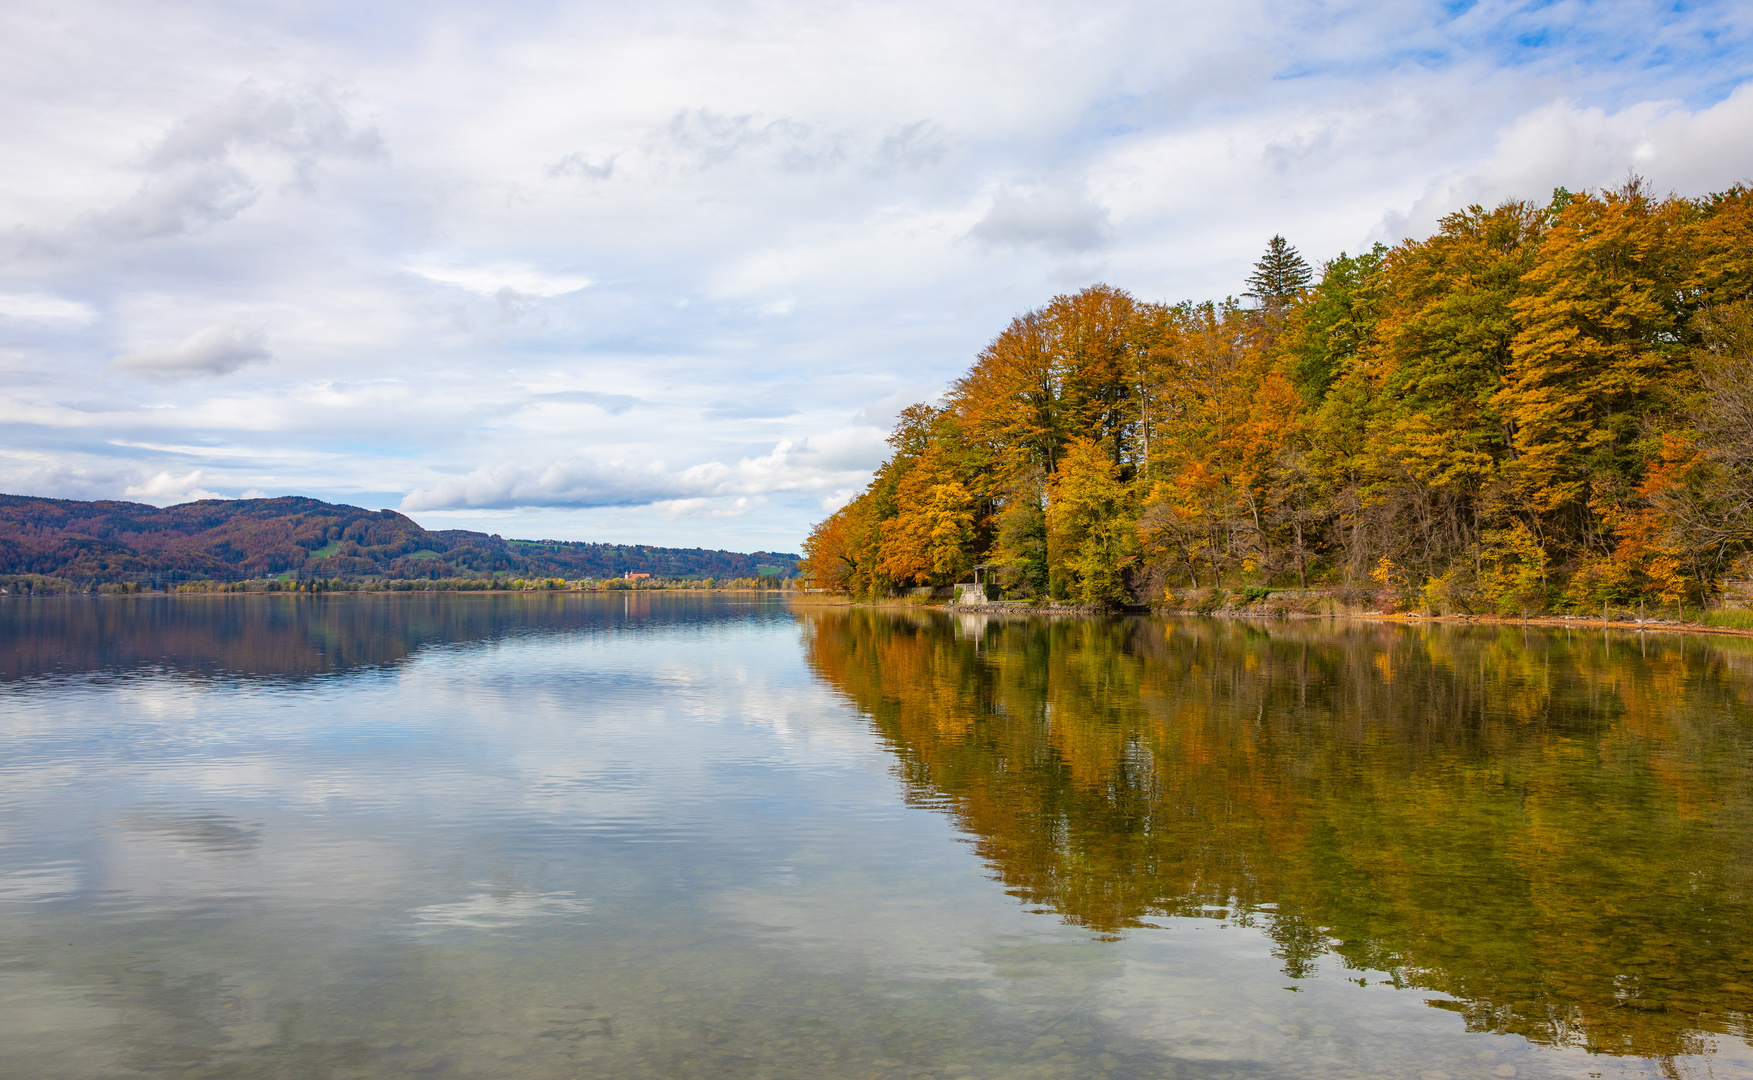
(1280,277)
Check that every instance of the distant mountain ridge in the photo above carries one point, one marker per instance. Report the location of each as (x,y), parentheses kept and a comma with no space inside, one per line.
(234,539)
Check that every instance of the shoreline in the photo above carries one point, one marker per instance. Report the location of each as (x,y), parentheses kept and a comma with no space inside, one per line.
(1024,608)
(151,594)
(1556,622)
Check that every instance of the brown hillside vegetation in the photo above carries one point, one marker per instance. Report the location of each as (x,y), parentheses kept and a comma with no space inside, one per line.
(1541,407)
(235,539)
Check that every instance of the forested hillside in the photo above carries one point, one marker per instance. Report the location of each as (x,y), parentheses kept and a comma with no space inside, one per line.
(231,540)
(1540,407)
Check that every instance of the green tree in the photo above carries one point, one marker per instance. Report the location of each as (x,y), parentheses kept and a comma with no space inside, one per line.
(1599,333)
(1021,542)
(1091,527)
(1330,331)
(1280,276)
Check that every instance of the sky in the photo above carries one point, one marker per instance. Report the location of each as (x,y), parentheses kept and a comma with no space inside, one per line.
(664,273)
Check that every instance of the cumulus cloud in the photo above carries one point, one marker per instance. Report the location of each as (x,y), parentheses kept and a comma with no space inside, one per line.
(193,176)
(166,489)
(1055,219)
(882,413)
(674,509)
(37,473)
(812,464)
(186,199)
(569,482)
(856,449)
(1566,143)
(218,350)
(306,124)
(736,246)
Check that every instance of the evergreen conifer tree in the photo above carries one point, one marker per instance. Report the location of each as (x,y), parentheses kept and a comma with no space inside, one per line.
(1280,276)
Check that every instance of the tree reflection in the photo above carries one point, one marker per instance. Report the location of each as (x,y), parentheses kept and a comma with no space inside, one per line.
(1553,830)
(291,636)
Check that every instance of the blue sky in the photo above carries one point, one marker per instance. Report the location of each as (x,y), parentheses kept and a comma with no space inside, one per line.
(664,273)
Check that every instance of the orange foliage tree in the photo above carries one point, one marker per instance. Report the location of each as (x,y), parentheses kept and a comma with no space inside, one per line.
(1533,386)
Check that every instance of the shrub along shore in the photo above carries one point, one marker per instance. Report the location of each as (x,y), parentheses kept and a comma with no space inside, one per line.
(1257,603)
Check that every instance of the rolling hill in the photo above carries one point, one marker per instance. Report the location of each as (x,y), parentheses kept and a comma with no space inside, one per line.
(235,539)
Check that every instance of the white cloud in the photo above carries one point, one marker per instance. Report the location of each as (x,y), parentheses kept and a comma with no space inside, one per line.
(834,500)
(860,448)
(882,413)
(186,199)
(1566,143)
(703,139)
(42,307)
(579,163)
(217,350)
(491,280)
(166,489)
(306,124)
(510,259)
(207,168)
(27,472)
(574,481)
(705,508)
(813,464)
(1056,219)
(918,145)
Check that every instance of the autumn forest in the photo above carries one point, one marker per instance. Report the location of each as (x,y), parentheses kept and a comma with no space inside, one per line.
(1545,406)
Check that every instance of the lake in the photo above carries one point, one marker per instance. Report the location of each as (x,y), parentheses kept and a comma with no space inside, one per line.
(684,835)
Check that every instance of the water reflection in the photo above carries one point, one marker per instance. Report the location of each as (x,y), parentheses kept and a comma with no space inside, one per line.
(649,837)
(201,830)
(1553,829)
(291,635)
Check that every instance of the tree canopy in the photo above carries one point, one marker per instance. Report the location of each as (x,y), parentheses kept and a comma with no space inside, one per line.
(1538,407)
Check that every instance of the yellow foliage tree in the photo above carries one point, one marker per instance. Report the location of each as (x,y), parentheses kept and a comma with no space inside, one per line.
(1091,530)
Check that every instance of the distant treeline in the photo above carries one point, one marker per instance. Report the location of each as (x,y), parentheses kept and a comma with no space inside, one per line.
(1539,407)
(38,585)
(89,544)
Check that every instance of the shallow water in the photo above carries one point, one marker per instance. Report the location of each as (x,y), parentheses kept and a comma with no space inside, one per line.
(696,836)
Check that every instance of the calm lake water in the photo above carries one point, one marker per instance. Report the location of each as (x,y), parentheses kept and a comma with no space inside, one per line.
(701,836)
